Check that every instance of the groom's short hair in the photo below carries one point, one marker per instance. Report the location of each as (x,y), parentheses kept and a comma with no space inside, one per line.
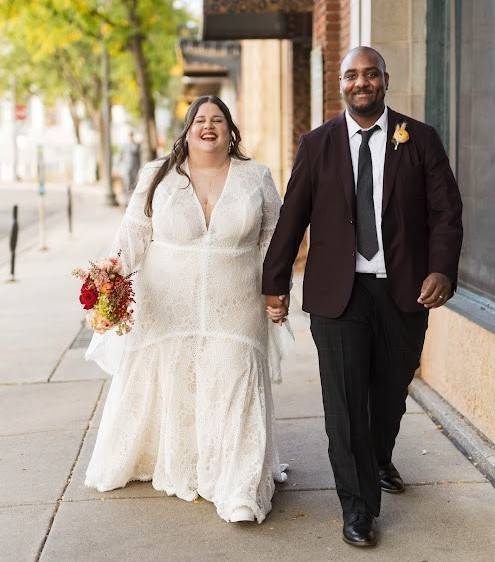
(361,49)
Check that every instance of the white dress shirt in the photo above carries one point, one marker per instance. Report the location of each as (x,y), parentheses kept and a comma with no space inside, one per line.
(377,144)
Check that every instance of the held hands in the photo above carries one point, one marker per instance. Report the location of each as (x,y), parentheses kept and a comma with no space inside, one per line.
(435,291)
(277,308)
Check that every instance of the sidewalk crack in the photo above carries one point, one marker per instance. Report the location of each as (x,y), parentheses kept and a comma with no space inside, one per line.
(60,359)
(69,478)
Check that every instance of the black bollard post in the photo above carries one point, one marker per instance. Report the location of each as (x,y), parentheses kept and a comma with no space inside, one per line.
(69,207)
(13,242)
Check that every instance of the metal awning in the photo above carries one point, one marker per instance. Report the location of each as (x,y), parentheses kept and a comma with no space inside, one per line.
(257,19)
(210,58)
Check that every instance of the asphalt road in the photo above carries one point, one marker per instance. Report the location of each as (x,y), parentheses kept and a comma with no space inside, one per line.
(27,199)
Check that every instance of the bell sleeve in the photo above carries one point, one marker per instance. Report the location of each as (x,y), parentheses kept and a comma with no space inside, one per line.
(135,231)
(132,240)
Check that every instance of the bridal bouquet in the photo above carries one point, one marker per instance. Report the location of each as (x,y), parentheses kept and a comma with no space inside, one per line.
(107,295)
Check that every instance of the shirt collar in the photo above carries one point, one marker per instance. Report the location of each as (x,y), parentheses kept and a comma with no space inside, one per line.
(353,127)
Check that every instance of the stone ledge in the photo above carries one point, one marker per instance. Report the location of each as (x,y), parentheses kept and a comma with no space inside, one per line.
(476,308)
(465,436)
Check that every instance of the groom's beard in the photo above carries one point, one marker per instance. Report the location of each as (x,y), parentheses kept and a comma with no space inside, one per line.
(373,106)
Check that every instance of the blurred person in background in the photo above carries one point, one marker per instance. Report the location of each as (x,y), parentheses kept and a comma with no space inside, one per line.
(130,162)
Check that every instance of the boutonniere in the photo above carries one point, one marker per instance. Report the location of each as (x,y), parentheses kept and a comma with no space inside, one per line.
(400,135)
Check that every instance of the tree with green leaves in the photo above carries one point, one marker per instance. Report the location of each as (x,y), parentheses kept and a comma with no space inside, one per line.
(54,47)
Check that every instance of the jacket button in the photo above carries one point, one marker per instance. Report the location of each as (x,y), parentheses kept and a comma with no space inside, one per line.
(351,221)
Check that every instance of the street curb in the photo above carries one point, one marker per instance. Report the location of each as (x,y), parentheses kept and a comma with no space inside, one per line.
(465,436)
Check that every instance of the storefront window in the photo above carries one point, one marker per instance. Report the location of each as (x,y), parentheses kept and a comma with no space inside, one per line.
(476,142)
(460,103)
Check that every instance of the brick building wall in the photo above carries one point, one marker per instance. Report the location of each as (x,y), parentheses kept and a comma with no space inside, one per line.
(331,32)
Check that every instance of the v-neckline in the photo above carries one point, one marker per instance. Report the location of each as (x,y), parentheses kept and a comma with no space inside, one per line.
(207,225)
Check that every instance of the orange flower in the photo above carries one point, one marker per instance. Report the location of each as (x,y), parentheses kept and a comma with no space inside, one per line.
(106,288)
(400,135)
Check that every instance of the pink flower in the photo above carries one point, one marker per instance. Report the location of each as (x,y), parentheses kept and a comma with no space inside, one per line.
(105,264)
(117,265)
(99,323)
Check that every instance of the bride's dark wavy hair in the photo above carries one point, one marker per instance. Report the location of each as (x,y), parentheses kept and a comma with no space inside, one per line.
(179,152)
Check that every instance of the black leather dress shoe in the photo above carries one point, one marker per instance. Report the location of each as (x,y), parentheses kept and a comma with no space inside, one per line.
(358,530)
(390,479)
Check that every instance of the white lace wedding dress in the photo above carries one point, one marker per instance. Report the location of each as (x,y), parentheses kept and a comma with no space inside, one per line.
(190,405)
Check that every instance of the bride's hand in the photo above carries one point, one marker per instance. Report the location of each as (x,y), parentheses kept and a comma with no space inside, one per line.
(277,309)
(277,315)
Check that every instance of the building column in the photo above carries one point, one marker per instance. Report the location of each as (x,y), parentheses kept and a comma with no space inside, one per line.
(301,90)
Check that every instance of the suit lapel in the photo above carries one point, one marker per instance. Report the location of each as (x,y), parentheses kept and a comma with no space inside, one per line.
(392,159)
(344,163)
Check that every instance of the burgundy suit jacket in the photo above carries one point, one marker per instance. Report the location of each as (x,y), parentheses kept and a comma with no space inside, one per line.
(421,217)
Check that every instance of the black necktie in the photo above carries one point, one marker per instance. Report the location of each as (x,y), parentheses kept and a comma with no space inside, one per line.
(367,241)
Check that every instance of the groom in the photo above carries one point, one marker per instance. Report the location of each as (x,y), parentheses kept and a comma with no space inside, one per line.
(385,214)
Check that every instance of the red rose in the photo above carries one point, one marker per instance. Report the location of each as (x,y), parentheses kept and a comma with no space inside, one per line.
(88,298)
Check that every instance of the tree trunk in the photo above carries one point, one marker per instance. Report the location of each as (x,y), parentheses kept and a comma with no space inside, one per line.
(76,121)
(146,101)
(96,118)
(101,145)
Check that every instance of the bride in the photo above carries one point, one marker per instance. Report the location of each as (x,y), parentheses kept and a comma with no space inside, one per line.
(190,405)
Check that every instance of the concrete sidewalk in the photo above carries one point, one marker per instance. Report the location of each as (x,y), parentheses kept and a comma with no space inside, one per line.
(50,406)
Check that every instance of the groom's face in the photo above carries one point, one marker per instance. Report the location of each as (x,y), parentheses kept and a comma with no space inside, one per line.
(363,82)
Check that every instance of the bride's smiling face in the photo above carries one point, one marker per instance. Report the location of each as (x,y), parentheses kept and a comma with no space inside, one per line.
(209,131)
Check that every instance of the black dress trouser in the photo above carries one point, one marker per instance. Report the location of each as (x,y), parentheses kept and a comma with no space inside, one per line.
(367,359)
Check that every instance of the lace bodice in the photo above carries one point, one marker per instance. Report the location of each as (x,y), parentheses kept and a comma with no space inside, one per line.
(244,216)
(195,280)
